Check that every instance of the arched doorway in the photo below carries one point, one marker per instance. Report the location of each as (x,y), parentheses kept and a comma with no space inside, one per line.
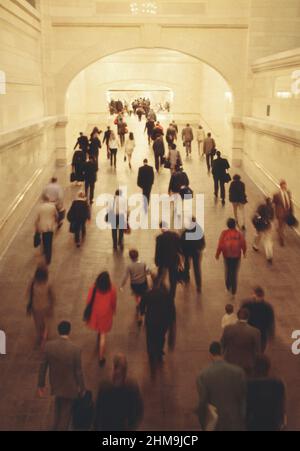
(201,95)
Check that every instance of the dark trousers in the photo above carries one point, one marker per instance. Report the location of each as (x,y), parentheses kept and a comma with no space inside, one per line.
(209,160)
(122,139)
(158,162)
(89,189)
(232,266)
(113,157)
(172,272)
(47,240)
(155,342)
(62,413)
(219,183)
(80,231)
(118,232)
(147,194)
(196,259)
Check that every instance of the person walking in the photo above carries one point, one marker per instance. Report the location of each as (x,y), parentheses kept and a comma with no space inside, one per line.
(83,144)
(159,152)
(119,405)
(261,316)
(149,127)
(95,146)
(113,149)
(262,222)
(90,178)
(117,217)
(266,400)
(238,198)
(209,149)
(45,225)
(158,310)
(222,390)
(220,175)
(55,193)
(78,162)
(174,158)
(241,343)
(63,361)
(100,310)
(106,139)
(193,245)
(145,180)
(41,302)
(78,215)
(187,139)
(171,135)
(200,139)
(167,256)
(137,272)
(231,244)
(129,148)
(283,209)
(122,131)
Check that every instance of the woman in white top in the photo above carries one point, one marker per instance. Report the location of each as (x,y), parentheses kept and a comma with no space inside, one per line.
(118,220)
(129,148)
(113,147)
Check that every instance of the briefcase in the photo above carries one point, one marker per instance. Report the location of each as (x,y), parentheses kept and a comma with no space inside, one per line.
(72,177)
(37,240)
(83,412)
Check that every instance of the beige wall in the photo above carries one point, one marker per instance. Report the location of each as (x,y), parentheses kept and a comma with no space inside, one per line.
(272,144)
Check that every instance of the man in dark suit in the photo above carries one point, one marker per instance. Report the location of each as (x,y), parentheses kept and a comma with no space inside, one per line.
(193,244)
(90,177)
(283,208)
(265,400)
(146,179)
(167,254)
(222,388)
(63,360)
(261,316)
(241,343)
(178,180)
(83,143)
(219,171)
(159,151)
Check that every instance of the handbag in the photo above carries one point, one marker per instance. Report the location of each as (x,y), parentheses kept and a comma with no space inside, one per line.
(227,178)
(83,412)
(291,220)
(37,240)
(72,177)
(89,308)
(61,215)
(167,164)
(186,193)
(72,227)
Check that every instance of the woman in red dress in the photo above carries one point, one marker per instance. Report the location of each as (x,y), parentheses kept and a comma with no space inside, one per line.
(101,307)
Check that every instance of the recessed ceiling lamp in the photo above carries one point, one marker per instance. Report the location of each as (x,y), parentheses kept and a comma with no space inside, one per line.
(143,7)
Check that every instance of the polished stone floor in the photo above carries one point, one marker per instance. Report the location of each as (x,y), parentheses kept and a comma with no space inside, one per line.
(170,400)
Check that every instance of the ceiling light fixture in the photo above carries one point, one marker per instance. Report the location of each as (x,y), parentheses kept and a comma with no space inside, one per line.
(148,8)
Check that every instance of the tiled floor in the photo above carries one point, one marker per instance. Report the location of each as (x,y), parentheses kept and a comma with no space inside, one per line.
(170,400)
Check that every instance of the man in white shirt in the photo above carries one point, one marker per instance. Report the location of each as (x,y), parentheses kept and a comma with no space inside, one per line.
(119,223)
(54,192)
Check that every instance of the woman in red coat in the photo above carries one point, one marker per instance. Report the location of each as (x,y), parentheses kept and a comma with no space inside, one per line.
(101,307)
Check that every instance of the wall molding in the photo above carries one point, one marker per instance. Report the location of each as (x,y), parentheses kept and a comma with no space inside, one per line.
(277,130)
(282,60)
(11,138)
(24,12)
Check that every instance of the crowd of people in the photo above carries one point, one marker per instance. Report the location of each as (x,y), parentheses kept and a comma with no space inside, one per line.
(235,391)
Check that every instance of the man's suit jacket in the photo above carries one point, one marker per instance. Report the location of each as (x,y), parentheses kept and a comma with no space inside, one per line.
(224,386)
(168,248)
(219,168)
(146,177)
(63,360)
(241,345)
(281,211)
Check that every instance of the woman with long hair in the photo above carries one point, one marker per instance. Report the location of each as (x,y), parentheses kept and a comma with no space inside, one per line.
(100,310)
